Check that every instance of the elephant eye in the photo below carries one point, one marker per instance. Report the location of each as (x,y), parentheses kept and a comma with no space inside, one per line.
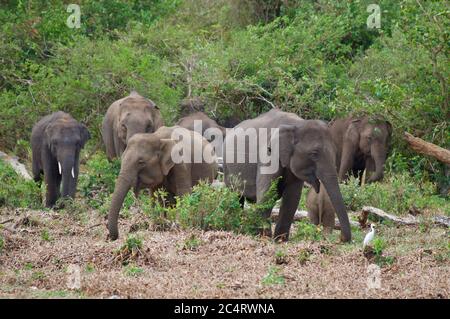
(314,155)
(124,127)
(141,162)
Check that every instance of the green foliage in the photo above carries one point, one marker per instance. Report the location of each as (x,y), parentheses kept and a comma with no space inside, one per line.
(281,257)
(307,231)
(303,256)
(2,244)
(273,277)
(191,243)
(132,244)
(378,245)
(97,183)
(210,208)
(45,235)
(396,194)
(133,270)
(15,191)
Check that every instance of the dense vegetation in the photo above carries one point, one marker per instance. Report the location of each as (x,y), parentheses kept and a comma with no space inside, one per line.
(316,58)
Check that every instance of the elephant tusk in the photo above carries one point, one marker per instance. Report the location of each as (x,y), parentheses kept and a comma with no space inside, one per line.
(59,167)
(73,174)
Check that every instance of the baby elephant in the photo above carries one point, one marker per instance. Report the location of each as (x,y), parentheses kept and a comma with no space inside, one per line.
(154,160)
(320,209)
(56,141)
(207,127)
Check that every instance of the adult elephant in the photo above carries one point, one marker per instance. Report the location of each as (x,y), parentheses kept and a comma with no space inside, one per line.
(148,162)
(305,154)
(56,142)
(207,127)
(125,117)
(362,144)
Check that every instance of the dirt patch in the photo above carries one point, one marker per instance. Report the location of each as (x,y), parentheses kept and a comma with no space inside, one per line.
(194,264)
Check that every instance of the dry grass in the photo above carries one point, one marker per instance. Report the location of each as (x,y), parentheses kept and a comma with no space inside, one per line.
(194,264)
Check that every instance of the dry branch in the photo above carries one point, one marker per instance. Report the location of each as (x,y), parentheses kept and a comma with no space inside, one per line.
(407,221)
(423,147)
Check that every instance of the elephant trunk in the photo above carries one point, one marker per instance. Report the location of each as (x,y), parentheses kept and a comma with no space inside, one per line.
(330,182)
(378,154)
(123,185)
(67,171)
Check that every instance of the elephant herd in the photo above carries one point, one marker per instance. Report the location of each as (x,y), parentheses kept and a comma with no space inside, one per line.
(133,130)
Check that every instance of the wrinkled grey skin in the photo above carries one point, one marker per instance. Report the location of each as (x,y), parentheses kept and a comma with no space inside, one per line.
(147,163)
(125,117)
(361,144)
(57,138)
(320,209)
(189,121)
(306,155)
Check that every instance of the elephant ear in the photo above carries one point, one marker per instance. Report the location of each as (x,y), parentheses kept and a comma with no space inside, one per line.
(352,133)
(85,135)
(165,159)
(286,142)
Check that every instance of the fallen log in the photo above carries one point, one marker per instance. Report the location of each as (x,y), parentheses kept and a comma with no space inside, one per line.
(16,165)
(427,148)
(302,215)
(368,210)
(406,221)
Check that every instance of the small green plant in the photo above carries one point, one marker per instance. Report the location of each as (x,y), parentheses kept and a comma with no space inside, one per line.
(307,231)
(2,244)
(90,268)
(45,235)
(191,243)
(133,270)
(304,256)
(378,245)
(132,243)
(273,277)
(38,275)
(281,257)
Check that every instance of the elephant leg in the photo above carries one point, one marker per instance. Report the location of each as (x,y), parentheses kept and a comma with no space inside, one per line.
(263,183)
(52,191)
(119,146)
(348,157)
(328,214)
(312,207)
(290,199)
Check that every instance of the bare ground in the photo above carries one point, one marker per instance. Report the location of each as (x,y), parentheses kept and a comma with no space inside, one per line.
(38,250)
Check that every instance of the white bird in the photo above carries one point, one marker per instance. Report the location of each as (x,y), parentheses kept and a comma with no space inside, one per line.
(370,235)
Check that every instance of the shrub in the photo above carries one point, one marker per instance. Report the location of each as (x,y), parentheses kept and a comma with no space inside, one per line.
(307,231)
(396,194)
(15,191)
(98,181)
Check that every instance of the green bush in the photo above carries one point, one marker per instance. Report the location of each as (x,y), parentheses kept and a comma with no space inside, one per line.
(396,194)
(97,182)
(307,231)
(15,191)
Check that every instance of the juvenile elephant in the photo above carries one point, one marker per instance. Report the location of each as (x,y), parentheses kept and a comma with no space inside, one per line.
(305,154)
(191,105)
(320,209)
(125,117)
(56,141)
(148,162)
(361,144)
(191,122)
